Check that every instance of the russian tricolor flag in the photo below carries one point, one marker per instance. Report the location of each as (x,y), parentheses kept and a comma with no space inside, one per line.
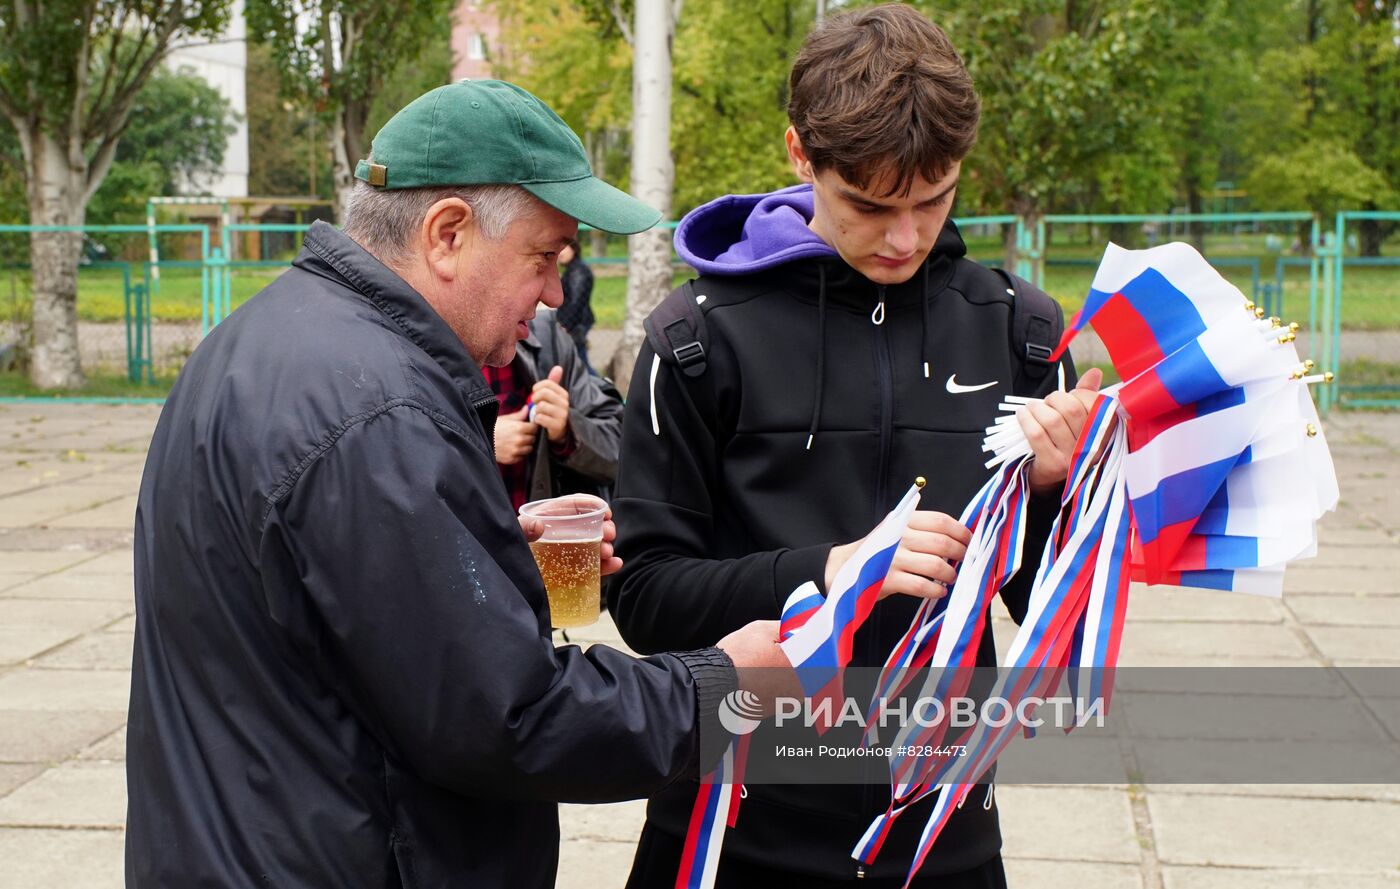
(822,648)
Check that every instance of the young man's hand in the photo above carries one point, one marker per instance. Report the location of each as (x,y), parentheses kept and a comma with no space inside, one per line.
(921,564)
(552,405)
(1052,427)
(515,437)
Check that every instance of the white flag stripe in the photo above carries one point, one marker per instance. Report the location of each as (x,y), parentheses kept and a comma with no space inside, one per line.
(1181,265)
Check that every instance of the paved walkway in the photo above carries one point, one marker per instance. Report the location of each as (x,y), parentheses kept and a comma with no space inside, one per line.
(68,477)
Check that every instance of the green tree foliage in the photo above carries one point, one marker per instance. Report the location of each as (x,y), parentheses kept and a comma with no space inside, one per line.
(1324,128)
(288,150)
(177,135)
(335,56)
(729,105)
(70,73)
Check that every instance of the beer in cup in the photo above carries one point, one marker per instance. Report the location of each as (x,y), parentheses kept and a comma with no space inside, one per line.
(568,555)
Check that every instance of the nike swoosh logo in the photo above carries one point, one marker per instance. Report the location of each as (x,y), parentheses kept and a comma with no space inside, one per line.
(957,388)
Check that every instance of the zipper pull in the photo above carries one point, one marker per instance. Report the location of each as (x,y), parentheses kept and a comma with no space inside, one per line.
(877,317)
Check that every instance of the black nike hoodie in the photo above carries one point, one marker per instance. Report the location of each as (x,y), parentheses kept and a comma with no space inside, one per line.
(824,396)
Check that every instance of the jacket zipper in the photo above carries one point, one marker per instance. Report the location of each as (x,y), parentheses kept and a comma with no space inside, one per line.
(886,382)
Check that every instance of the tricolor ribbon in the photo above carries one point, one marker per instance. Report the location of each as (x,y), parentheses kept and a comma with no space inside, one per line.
(817,633)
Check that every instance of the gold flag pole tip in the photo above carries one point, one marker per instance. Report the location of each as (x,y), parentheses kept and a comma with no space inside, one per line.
(920,482)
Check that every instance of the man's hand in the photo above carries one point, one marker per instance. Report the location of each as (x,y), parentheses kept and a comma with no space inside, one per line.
(920,566)
(515,437)
(552,405)
(1052,427)
(608,563)
(763,668)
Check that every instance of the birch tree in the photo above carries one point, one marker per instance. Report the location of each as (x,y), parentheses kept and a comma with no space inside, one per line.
(652,173)
(70,71)
(336,54)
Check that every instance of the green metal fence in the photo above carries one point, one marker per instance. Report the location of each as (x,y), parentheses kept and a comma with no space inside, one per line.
(1278,289)
(1340,391)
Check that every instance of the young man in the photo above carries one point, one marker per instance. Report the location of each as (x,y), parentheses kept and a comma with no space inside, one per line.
(848,348)
(343,673)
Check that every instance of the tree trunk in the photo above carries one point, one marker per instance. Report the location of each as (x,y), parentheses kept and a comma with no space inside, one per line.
(649,253)
(1195,229)
(57,185)
(1371,237)
(344,154)
(596,144)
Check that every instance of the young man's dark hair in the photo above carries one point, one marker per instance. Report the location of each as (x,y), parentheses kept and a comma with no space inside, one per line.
(836,345)
(883,91)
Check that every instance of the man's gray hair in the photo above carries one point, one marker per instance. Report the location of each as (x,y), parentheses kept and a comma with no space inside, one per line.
(382,220)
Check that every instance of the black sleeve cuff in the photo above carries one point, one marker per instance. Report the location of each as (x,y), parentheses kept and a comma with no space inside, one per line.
(715,678)
(795,567)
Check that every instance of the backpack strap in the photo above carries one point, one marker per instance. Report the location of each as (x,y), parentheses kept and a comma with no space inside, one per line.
(676,331)
(1036,326)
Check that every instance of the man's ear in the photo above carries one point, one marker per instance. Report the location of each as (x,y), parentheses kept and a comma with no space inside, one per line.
(448,229)
(800,164)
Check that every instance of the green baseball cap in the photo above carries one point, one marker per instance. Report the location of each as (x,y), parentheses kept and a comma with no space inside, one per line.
(488,132)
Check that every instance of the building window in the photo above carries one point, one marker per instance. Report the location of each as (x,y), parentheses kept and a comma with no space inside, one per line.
(476,49)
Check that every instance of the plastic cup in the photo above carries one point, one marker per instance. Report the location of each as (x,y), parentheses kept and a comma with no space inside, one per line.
(568,555)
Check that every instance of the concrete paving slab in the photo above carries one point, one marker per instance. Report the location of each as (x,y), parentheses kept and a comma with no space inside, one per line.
(1195,643)
(71,859)
(1339,581)
(1378,792)
(116,588)
(80,794)
(117,561)
(1358,609)
(589,864)
(1293,834)
(1248,717)
(46,504)
(1243,878)
(24,613)
(40,561)
(53,736)
(1036,873)
(125,625)
(1036,822)
(119,513)
(31,689)
(20,645)
(110,749)
(1165,603)
(95,651)
(615,822)
(1375,643)
(14,774)
(1167,763)
(1381,557)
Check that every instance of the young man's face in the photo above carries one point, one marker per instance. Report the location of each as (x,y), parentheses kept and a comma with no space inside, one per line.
(884,237)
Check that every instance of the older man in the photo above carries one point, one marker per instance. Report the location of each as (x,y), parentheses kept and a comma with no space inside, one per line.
(343,672)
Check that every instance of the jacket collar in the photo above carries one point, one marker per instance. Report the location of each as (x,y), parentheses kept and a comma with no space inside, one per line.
(331,253)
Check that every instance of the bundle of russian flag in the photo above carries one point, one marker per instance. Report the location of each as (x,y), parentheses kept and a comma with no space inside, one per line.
(1206,467)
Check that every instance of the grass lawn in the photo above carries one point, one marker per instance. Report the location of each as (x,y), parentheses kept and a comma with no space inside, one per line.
(15,385)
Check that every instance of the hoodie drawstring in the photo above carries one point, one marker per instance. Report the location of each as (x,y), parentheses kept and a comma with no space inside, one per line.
(923,336)
(821,354)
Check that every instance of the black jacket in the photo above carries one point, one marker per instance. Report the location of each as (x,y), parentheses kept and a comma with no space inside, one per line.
(722,509)
(595,414)
(343,669)
(576,314)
